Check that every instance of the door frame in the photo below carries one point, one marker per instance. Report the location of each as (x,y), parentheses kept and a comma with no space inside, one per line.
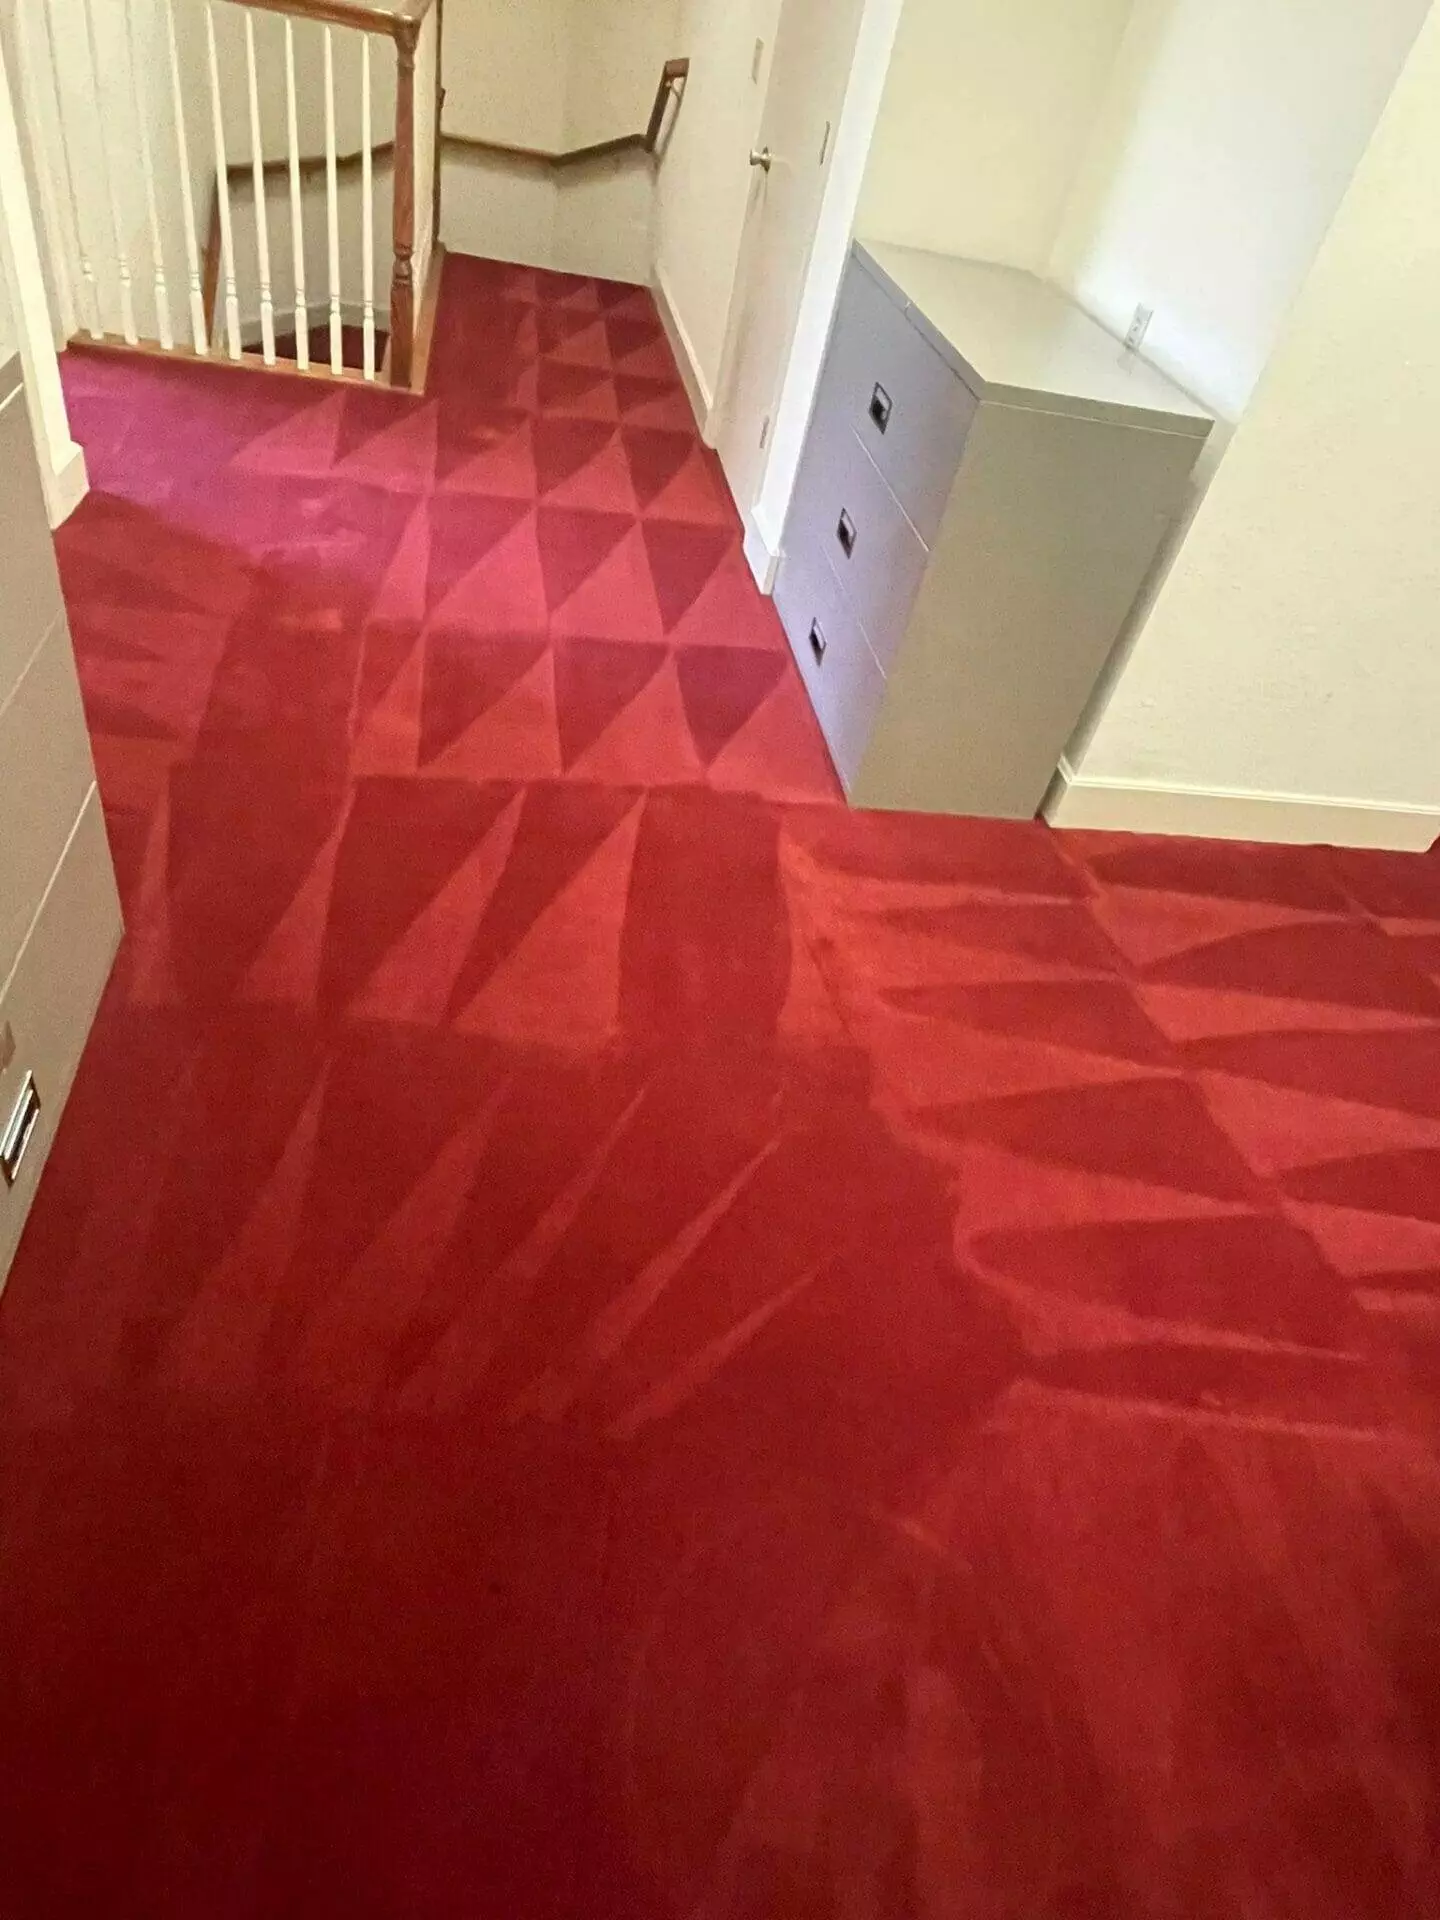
(850,153)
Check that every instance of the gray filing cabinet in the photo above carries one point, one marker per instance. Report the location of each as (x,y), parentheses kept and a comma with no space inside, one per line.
(986,482)
(59,914)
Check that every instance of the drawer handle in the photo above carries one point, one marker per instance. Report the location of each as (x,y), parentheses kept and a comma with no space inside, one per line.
(881,406)
(846,535)
(19,1130)
(818,642)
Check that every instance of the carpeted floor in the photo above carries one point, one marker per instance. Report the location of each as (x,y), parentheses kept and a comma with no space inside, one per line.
(606,1340)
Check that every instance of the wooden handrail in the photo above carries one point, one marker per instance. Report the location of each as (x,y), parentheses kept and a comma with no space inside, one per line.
(400,19)
(545,156)
(240,173)
(672,83)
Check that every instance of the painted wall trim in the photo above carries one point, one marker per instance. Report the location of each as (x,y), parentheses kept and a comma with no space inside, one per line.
(761,558)
(66,486)
(701,398)
(1287,819)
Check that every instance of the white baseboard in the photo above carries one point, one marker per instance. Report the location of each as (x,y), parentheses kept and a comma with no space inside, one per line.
(1203,813)
(681,345)
(66,485)
(762,561)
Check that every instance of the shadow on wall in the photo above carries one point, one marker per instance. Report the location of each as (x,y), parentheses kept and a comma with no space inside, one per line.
(1227,139)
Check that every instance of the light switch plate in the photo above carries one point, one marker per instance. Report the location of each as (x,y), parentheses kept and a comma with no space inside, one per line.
(1139,327)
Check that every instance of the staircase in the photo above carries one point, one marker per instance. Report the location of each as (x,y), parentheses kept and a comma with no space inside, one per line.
(220,179)
(252,182)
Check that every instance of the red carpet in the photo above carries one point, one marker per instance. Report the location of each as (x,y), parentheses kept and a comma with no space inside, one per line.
(605,1340)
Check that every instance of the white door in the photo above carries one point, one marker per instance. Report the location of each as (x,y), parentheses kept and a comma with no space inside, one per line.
(809,72)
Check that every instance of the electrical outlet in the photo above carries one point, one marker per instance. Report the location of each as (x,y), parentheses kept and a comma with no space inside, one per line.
(757,63)
(1139,327)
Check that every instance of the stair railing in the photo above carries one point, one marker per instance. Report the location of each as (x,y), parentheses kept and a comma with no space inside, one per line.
(673,77)
(137,108)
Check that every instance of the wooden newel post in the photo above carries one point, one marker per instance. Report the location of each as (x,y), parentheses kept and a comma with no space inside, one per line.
(402,279)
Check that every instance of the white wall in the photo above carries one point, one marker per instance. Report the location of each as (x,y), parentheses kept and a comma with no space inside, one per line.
(1293,649)
(705,182)
(9,339)
(987,109)
(1229,135)
(1230,131)
(553,75)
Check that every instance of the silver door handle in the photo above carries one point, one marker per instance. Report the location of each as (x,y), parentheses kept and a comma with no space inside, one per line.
(762,157)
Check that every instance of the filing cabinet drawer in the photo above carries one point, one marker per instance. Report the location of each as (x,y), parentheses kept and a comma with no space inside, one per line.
(844,508)
(907,408)
(51,997)
(45,754)
(841,674)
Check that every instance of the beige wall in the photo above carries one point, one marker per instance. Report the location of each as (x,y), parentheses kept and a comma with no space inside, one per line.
(507,70)
(987,109)
(554,75)
(617,49)
(498,209)
(1292,650)
(1229,133)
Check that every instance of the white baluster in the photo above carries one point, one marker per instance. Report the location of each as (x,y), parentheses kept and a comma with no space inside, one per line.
(67,164)
(147,169)
(187,195)
(56,236)
(297,216)
(222,194)
(122,257)
(367,208)
(262,216)
(332,209)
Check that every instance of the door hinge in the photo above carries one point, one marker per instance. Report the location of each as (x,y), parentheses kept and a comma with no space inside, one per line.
(825,143)
(765,434)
